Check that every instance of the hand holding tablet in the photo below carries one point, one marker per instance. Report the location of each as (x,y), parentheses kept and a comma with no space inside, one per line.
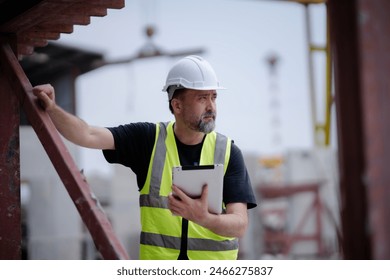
(191,179)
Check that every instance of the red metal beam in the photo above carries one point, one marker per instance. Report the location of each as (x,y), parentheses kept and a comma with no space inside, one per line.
(10,213)
(275,191)
(79,190)
(343,18)
(374,43)
(269,191)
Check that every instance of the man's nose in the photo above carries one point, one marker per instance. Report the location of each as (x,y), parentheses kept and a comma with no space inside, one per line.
(210,103)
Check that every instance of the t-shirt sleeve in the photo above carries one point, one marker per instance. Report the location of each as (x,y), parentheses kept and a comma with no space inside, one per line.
(237,184)
(133,147)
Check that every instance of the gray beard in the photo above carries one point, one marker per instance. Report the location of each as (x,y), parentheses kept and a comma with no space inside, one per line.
(206,127)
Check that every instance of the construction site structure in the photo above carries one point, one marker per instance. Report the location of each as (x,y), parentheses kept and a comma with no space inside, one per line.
(24,26)
(359,43)
(299,211)
(277,193)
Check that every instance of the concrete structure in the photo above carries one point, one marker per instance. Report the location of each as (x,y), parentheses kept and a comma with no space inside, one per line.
(53,226)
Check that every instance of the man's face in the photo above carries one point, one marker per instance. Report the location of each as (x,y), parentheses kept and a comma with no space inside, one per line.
(199,109)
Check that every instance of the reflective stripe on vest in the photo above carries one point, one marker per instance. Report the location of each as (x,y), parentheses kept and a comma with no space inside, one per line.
(161,231)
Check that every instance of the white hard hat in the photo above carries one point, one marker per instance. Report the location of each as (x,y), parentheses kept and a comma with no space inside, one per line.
(191,72)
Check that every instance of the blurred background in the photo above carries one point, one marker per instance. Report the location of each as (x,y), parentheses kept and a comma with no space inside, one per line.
(273,58)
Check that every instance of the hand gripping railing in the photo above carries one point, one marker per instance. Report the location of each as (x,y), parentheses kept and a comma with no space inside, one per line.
(80,192)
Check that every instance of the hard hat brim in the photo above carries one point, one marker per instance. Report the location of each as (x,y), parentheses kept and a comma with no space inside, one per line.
(165,88)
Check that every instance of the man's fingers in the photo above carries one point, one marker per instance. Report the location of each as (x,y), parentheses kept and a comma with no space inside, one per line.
(174,204)
(43,99)
(42,90)
(45,95)
(205,193)
(179,193)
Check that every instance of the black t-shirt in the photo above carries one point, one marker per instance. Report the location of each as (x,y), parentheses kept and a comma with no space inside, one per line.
(134,145)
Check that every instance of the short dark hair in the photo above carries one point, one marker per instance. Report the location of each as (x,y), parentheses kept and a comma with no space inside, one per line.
(177,94)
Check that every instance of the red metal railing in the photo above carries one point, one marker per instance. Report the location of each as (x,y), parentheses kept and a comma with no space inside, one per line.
(80,192)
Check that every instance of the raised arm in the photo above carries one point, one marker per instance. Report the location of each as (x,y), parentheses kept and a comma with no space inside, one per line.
(71,127)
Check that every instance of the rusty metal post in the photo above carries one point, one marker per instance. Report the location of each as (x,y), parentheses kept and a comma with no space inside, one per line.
(343,19)
(318,208)
(374,43)
(90,210)
(10,212)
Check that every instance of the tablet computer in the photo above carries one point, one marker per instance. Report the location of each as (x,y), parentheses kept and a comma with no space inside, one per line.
(191,179)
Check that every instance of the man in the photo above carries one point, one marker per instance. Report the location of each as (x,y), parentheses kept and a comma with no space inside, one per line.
(174,227)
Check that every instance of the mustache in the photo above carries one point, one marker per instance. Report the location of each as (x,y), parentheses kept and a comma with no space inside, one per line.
(209,114)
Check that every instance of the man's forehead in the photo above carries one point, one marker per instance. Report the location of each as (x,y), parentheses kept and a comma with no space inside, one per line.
(201,92)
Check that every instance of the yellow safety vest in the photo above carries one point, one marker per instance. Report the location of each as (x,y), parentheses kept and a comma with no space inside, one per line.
(161,231)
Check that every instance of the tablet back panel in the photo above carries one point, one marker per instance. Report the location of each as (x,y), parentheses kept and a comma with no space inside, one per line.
(191,180)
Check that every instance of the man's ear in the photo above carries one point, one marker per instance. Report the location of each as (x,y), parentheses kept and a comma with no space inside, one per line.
(176,105)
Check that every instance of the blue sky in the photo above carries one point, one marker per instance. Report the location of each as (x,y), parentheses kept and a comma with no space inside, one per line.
(237,36)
